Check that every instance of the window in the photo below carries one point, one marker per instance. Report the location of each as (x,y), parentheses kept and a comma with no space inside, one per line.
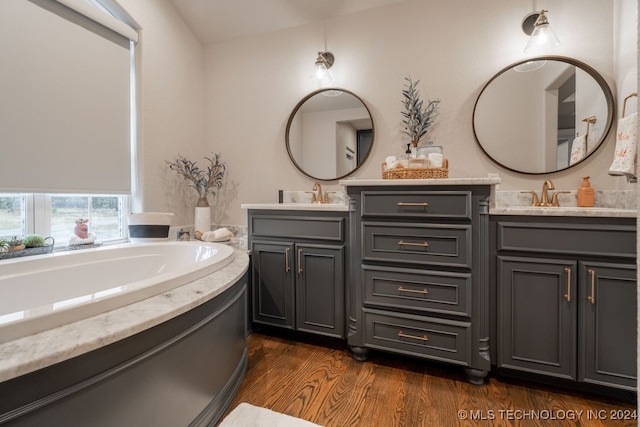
(54,215)
(67,94)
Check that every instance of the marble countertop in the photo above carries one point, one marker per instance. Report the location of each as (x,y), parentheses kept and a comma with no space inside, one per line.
(609,203)
(28,354)
(439,181)
(298,206)
(564,211)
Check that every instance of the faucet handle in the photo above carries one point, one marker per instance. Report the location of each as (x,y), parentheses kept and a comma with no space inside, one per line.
(534,197)
(554,198)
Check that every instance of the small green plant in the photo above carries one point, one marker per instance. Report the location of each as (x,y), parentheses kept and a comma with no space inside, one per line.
(15,241)
(417,117)
(4,245)
(15,244)
(33,241)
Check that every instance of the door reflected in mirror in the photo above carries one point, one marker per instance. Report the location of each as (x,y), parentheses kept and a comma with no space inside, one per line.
(543,115)
(329,134)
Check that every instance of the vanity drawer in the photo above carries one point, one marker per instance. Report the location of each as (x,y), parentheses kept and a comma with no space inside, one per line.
(566,238)
(417,204)
(418,336)
(298,227)
(435,244)
(425,291)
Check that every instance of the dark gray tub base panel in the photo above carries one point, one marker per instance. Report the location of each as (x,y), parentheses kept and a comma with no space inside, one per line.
(183,372)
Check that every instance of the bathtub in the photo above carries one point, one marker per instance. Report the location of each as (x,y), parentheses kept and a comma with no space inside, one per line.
(44,291)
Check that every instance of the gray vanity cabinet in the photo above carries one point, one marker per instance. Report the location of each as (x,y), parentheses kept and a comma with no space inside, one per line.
(298,270)
(538,322)
(608,324)
(566,298)
(421,283)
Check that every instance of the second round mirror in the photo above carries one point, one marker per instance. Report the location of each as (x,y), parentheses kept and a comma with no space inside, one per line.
(533,116)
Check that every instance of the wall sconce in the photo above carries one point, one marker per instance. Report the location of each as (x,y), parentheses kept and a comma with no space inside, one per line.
(543,39)
(321,68)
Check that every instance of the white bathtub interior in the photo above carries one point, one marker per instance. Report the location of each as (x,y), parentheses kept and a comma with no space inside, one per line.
(45,291)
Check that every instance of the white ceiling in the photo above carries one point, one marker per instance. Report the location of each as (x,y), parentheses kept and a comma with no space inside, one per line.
(217,20)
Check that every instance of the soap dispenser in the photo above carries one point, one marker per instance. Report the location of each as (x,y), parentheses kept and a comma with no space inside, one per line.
(586,194)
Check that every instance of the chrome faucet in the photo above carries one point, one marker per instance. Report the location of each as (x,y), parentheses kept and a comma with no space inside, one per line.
(544,196)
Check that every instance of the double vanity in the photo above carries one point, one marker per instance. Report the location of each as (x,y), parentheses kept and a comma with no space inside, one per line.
(452,270)
(433,269)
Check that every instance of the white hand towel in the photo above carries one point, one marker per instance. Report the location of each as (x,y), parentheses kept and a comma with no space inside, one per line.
(217,235)
(578,150)
(624,157)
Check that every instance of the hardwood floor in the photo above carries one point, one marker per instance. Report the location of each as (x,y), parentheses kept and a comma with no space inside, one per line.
(325,385)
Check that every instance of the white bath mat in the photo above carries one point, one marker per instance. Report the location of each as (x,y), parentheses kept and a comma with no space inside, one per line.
(246,415)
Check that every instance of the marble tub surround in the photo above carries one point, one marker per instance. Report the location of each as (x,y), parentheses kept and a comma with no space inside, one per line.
(37,351)
(608,203)
(238,241)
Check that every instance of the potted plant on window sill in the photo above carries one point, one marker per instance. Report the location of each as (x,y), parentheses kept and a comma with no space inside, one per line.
(32,244)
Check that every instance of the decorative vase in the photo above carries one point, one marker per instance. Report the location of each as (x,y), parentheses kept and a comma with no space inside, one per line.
(202,220)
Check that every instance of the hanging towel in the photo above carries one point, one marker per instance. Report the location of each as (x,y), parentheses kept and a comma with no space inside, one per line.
(578,149)
(624,157)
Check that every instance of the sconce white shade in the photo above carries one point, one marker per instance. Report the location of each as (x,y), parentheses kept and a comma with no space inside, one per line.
(321,68)
(543,39)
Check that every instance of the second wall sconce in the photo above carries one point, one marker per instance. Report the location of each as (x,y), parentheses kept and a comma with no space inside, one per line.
(321,68)
(543,39)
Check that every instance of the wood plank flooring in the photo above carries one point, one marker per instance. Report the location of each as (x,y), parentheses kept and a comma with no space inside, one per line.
(325,385)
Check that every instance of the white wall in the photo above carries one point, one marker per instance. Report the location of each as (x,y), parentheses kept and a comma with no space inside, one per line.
(235,97)
(452,47)
(170,60)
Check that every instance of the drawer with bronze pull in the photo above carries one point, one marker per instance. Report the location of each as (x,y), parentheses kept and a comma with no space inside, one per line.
(418,336)
(425,291)
(433,244)
(417,204)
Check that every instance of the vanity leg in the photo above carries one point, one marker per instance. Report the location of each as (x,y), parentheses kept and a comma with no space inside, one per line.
(475,376)
(359,353)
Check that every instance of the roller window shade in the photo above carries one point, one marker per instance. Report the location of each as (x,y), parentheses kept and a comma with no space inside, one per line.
(65,109)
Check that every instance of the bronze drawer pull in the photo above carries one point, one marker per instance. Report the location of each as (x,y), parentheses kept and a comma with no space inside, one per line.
(592,298)
(403,243)
(403,204)
(567,296)
(423,292)
(403,335)
(287,268)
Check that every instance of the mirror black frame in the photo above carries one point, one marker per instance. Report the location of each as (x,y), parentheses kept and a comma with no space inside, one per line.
(608,94)
(295,110)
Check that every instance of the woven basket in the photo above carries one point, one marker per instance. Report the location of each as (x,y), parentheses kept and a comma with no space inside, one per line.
(401,172)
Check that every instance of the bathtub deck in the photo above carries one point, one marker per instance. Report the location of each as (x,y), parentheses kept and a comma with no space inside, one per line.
(24,355)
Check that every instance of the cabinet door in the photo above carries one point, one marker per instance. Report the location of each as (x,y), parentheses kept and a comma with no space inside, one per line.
(608,319)
(272,286)
(537,314)
(320,289)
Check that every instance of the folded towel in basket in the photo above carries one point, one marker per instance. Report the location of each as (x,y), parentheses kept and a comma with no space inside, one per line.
(624,156)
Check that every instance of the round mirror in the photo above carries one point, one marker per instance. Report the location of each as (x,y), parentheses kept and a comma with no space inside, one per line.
(329,134)
(543,115)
